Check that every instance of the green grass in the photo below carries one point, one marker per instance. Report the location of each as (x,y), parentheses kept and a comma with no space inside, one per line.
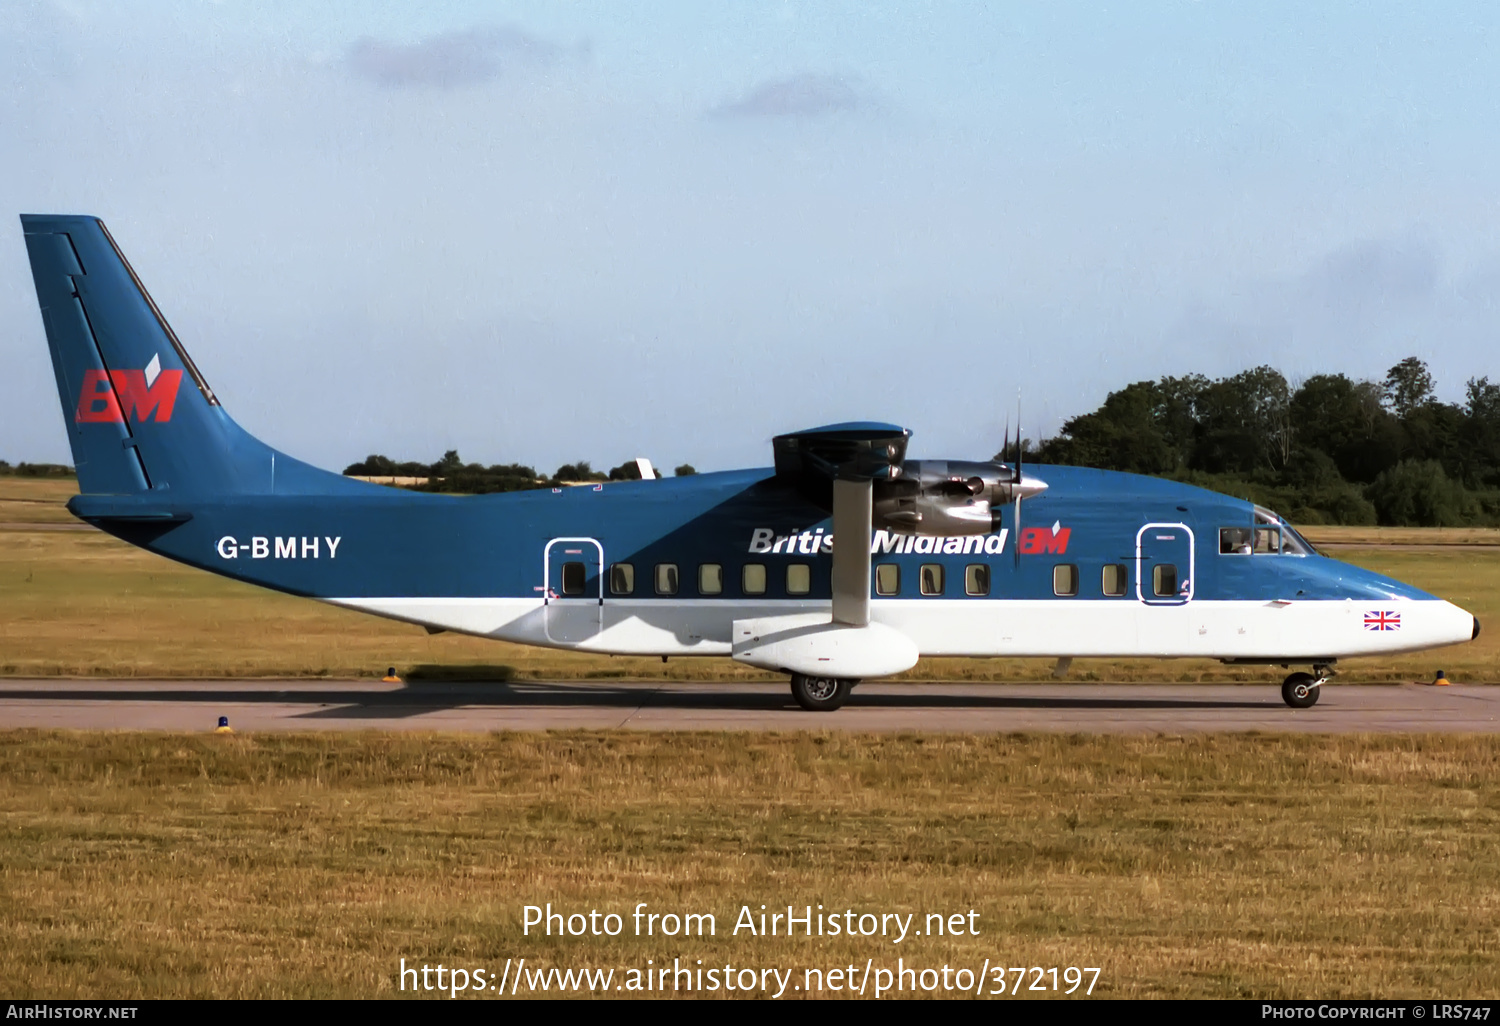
(294,865)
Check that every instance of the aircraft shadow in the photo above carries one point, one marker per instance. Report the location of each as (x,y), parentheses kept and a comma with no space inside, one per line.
(417,698)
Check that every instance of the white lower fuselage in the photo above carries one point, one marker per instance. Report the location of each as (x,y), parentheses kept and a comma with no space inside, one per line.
(1215,629)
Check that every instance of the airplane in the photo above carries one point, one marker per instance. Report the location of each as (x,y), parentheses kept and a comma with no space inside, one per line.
(943,558)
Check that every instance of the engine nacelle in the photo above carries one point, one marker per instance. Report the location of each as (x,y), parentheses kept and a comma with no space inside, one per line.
(948,497)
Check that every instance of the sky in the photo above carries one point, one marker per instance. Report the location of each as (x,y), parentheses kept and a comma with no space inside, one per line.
(545,232)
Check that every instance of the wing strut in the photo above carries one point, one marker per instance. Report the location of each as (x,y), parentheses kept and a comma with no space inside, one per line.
(853,502)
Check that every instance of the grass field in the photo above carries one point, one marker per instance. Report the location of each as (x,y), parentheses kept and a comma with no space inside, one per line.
(79,603)
(1342,536)
(31,500)
(150,865)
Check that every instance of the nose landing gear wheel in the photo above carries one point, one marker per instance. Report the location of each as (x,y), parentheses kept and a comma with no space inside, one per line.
(1301,690)
(820,694)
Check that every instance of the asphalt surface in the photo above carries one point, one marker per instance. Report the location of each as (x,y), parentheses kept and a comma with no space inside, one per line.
(1085,708)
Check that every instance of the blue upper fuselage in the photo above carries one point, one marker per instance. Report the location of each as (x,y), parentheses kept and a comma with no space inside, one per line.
(379,542)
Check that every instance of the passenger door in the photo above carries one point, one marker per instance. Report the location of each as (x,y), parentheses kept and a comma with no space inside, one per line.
(573,597)
(1164,564)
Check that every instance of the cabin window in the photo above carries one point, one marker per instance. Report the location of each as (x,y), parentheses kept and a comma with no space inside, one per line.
(710,579)
(888,579)
(1267,540)
(1065,579)
(753,579)
(666,578)
(1234,541)
(798,579)
(573,576)
(1164,580)
(622,579)
(976,579)
(1114,579)
(932,578)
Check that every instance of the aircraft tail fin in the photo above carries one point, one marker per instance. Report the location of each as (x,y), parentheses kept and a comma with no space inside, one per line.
(141,418)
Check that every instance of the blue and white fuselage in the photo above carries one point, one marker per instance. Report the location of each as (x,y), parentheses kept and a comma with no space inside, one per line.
(745,564)
(494,566)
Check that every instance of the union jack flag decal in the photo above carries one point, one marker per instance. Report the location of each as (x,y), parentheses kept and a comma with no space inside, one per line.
(1382,620)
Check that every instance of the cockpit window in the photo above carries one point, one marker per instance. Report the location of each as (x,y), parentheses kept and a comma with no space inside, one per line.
(1235,541)
(1267,541)
(1292,543)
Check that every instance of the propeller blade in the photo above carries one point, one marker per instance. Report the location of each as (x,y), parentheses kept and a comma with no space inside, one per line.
(1020,447)
(1016,477)
(1016,546)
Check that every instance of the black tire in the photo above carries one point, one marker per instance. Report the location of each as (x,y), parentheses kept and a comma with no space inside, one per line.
(1301,691)
(820,694)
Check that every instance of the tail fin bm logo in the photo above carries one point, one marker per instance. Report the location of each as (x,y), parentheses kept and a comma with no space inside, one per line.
(112,397)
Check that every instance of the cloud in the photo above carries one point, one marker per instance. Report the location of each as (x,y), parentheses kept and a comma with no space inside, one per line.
(805,95)
(454,58)
(1374,271)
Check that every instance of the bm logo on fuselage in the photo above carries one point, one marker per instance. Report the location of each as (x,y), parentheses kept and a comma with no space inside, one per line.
(113,397)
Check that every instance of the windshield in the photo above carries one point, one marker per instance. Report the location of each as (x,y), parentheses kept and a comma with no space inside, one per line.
(1292,543)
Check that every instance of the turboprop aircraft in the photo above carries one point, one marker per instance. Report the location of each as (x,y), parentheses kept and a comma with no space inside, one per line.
(841,562)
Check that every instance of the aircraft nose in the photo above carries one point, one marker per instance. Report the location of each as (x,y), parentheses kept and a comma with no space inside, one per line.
(1475,635)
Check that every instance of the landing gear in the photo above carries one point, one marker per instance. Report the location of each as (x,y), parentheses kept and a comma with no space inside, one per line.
(820,694)
(1301,690)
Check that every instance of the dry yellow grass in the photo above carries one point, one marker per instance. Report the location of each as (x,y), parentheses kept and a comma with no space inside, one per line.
(158,865)
(30,500)
(1340,536)
(153,865)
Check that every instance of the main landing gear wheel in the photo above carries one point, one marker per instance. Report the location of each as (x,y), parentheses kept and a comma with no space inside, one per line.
(1301,690)
(820,694)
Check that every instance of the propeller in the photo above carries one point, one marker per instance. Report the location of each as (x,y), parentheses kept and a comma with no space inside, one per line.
(1016,478)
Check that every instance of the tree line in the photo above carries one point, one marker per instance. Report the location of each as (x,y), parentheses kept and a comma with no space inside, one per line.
(1331,450)
(451,474)
(24,469)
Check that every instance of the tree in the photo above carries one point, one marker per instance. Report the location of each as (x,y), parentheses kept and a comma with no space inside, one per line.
(1176,413)
(372,466)
(1321,495)
(1123,434)
(580,471)
(449,464)
(630,470)
(686,470)
(1408,387)
(1345,420)
(1416,493)
(1245,423)
(1481,433)
(376,465)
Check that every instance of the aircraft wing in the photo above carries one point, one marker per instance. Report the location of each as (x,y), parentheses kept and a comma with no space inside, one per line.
(836,467)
